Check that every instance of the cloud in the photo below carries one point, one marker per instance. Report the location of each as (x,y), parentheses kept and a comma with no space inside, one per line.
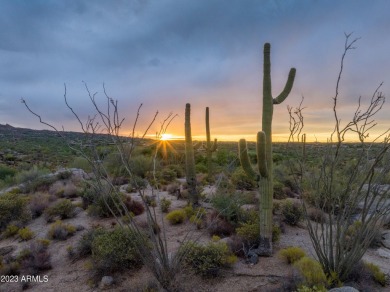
(167,53)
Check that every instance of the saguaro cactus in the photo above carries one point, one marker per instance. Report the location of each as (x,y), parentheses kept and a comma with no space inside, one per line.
(209,148)
(190,160)
(264,176)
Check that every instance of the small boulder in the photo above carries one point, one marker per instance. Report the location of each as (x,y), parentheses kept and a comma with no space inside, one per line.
(106,282)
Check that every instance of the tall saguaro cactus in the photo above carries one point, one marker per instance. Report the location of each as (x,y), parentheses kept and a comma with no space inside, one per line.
(264,176)
(209,148)
(190,160)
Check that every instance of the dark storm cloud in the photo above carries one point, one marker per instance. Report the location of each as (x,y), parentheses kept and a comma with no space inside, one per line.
(165,53)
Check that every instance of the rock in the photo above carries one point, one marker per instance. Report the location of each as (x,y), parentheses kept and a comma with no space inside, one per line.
(80,227)
(252,257)
(6,250)
(78,210)
(344,289)
(383,253)
(386,239)
(106,282)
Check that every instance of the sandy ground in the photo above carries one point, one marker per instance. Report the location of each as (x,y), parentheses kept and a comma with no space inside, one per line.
(270,274)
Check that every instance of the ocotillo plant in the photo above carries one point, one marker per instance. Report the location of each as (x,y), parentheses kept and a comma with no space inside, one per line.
(209,148)
(264,154)
(190,160)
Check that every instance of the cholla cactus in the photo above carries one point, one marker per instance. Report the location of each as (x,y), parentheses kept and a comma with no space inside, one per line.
(209,148)
(190,160)
(264,177)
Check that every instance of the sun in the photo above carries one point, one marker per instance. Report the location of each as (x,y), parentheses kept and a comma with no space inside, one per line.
(165,137)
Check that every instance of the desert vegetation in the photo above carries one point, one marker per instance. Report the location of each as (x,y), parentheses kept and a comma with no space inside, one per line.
(106,211)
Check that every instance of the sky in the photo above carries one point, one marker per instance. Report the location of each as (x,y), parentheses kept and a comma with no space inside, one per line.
(166,53)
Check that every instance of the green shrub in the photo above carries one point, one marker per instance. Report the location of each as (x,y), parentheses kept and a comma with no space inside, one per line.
(228,205)
(176,216)
(11,230)
(292,254)
(81,163)
(12,208)
(136,183)
(6,171)
(376,273)
(42,184)
(250,231)
(25,234)
(115,251)
(84,245)
(276,231)
(311,271)
(165,204)
(64,209)
(102,200)
(241,181)
(60,231)
(292,212)
(207,260)
(30,175)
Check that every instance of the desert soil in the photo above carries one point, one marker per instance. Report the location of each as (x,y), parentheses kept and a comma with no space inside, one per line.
(269,274)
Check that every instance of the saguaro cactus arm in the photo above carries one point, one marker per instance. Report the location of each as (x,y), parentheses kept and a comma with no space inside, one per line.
(287,88)
(261,154)
(245,162)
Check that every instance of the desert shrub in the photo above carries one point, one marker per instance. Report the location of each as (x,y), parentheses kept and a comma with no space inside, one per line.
(57,189)
(377,275)
(276,231)
(201,167)
(292,212)
(10,230)
(81,163)
(60,231)
(12,208)
(64,174)
(120,180)
(140,165)
(292,254)
(101,202)
(133,206)
(6,171)
(136,183)
(115,251)
(279,190)
(64,209)
(30,175)
(228,205)
(165,204)
(38,203)
(35,259)
(176,216)
(150,201)
(168,175)
(178,169)
(317,215)
(25,234)
(311,271)
(84,245)
(172,188)
(241,181)
(10,268)
(250,231)
(217,225)
(208,259)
